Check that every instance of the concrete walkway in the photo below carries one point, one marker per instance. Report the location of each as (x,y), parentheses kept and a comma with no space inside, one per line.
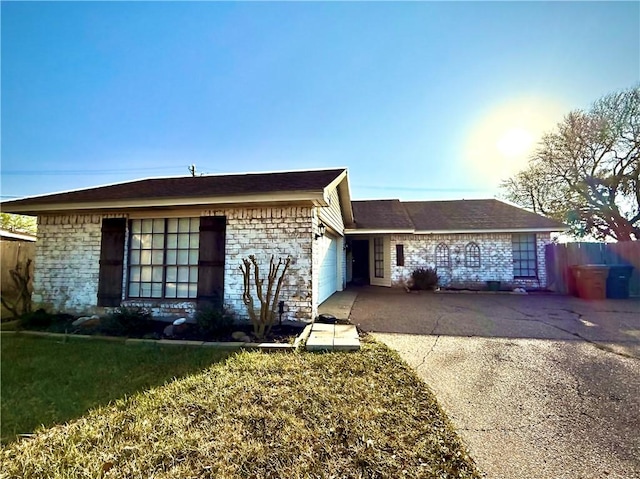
(339,304)
(538,386)
(335,337)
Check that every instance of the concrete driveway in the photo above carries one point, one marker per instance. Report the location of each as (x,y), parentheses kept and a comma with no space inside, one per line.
(539,386)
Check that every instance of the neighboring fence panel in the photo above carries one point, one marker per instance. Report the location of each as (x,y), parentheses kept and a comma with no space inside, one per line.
(560,258)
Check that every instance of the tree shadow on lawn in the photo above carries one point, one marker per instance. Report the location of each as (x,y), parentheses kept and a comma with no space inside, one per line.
(47,381)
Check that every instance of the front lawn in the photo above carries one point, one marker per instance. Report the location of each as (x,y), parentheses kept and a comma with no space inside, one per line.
(48,381)
(259,415)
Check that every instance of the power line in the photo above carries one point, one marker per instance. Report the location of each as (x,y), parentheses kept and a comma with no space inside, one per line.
(420,189)
(109,171)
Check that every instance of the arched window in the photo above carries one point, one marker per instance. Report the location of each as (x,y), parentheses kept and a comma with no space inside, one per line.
(442,256)
(472,255)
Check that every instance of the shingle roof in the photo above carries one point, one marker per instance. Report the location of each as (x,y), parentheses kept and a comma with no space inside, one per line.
(192,187)
(381,215)
(454,215)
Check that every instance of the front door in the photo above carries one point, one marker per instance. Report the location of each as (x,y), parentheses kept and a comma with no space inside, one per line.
(360,255)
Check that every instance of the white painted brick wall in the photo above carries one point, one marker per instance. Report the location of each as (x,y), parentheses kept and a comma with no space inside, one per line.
(67,262)
(278,231)
(496,259)
(68,254)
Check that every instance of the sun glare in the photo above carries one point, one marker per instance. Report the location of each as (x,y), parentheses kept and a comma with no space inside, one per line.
(515,143)
(502,140)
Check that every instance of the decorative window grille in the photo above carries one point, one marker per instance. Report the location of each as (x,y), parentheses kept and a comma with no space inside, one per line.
(472,255)
(442,256)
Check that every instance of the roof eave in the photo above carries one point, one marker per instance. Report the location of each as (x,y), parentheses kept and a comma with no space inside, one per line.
(369,231)
(342,184)
(315,198)
(491,230)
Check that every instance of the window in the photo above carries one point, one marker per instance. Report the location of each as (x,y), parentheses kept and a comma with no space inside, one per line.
(442,256)
(163,258)
(472,255)
(378,257)
(524,255)
(399,255)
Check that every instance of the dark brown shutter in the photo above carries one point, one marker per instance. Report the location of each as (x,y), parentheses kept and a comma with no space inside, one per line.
(111,261)
(211,259)
(399,255)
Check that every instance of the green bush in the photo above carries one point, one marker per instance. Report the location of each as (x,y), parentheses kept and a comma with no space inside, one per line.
(42,320)
(425,278)
(213,321)
(126,322)
(38,319)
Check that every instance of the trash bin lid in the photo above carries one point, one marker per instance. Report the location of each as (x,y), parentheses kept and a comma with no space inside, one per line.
(621,269)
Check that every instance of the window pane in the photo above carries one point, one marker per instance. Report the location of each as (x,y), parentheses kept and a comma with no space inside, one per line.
(147,226)
(193,290)
(145,290)
(183,225)
(158,226)
(172,225)
(193,275)
(172,241)
(145,273)
(183,241)
(156,274)
(170,290)
(193,256)
(182,290)
(145,257)
(157,257)
(172,257)
(194,240)
(172,274)
(134,290)
(183,256)
(135,257)
(136,226)
(135,242)
(135,273)
(145,239)
(156,290)
(183,274)
(158,241)
(195,225)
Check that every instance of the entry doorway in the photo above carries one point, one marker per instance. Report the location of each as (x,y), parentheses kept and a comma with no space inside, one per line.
(360,262)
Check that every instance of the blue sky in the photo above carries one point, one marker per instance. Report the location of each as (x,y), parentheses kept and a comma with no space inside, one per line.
(418,100)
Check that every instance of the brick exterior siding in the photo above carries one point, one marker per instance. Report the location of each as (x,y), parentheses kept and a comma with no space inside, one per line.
(67,262)
(496,259)
(68,255)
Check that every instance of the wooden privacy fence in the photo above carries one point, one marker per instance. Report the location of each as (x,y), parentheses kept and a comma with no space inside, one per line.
(11,252)
(560,258)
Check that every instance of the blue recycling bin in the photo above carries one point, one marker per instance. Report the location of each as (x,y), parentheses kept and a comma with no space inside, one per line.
(618,281)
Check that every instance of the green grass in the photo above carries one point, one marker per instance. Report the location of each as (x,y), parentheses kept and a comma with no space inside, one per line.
(47,381)
(258,415)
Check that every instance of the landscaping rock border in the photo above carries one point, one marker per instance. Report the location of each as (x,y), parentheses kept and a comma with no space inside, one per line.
(268,347)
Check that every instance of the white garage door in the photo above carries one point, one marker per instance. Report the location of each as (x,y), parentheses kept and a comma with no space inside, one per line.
(328,283)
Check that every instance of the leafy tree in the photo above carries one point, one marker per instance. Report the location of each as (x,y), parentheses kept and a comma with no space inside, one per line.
(18,223)
(586,172)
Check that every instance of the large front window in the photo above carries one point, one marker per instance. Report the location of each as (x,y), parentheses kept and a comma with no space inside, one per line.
(524,256)
(163,258)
